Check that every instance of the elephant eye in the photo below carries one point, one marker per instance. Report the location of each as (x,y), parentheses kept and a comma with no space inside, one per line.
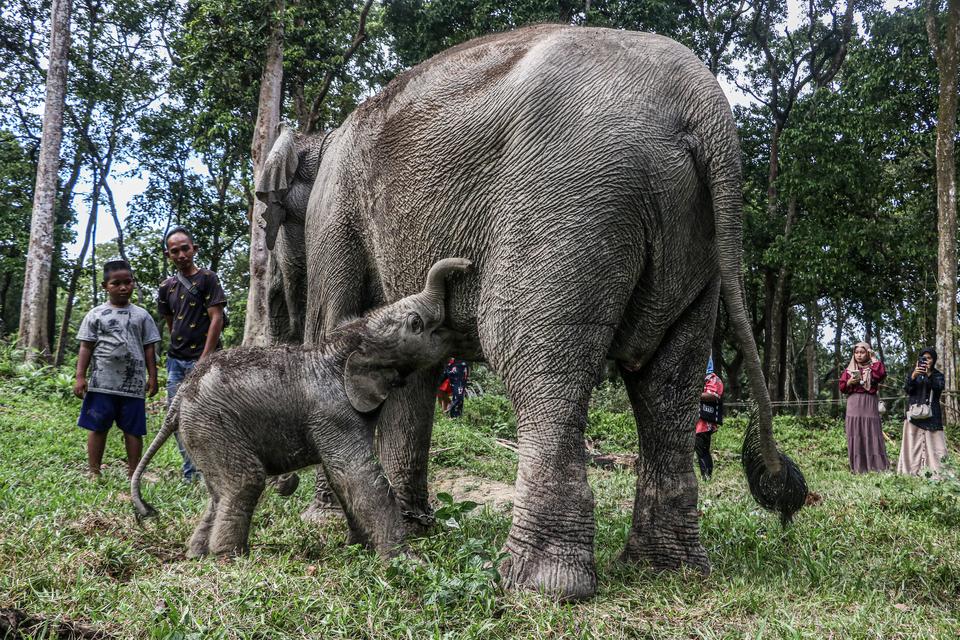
(416,324)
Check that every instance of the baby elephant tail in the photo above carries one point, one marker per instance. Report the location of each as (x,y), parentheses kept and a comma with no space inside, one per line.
(170,424)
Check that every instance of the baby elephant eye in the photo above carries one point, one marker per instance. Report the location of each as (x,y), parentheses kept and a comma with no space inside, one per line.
(416,323)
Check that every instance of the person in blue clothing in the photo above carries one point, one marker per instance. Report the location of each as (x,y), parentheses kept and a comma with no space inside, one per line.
(453,387)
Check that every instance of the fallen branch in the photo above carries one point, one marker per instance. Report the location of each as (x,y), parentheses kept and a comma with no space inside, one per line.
(614,460)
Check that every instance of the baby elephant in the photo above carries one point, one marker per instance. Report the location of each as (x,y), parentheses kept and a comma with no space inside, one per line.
(248,413)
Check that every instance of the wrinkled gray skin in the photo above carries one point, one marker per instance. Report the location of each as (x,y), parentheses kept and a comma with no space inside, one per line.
(593,176)
(248,413)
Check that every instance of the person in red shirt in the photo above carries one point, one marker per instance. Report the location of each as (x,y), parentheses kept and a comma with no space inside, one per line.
(860,381)
(711,417)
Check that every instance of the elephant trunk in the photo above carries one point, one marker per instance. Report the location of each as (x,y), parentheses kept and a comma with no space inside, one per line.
(434,292)
(774,479)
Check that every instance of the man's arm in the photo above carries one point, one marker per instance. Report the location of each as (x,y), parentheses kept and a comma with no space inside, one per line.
(83,362)
(169,320)
(216,328)
(150,355)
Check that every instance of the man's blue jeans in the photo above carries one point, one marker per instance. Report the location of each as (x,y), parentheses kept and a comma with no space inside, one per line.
(177,370)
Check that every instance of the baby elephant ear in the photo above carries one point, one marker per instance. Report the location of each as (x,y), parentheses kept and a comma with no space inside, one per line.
(367,386)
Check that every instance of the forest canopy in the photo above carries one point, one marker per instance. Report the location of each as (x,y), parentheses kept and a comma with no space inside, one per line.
(838,115)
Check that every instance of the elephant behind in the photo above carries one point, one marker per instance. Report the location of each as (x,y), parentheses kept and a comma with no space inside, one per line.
(593,177)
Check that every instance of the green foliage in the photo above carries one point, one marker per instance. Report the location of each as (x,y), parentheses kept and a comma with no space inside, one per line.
(16,201)
(881,552)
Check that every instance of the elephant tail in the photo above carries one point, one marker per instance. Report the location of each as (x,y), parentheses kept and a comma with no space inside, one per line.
(170,424)
(775,481)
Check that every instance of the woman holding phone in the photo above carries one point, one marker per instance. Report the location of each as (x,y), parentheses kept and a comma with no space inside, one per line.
(924,443)
(860,382)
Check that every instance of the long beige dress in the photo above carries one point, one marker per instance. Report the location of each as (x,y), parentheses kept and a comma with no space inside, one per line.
(921,449)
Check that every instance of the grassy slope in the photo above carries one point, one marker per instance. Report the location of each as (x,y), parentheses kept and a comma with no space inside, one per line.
(880,558)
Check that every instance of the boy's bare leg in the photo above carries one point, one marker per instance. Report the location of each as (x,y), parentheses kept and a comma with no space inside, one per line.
(96,443)
(134,447)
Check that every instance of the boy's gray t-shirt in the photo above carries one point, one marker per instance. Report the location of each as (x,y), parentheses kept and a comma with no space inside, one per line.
(120,334)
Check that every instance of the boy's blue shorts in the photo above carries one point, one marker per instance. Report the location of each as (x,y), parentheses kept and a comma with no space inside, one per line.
(101,410)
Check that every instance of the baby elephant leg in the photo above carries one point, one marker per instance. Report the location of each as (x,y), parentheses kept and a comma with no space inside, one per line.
(237,499)
(199,544)
(372,511)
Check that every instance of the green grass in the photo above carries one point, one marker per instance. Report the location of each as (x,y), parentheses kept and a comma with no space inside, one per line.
(879,558)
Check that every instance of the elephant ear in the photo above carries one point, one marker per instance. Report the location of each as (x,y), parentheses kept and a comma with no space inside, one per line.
(274,182)
(367,386)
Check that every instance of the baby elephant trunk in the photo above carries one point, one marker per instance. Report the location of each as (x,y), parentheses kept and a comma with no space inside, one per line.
(434,292)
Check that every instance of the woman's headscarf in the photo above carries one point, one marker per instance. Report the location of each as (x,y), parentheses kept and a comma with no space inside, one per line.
(932,352)
(864,371)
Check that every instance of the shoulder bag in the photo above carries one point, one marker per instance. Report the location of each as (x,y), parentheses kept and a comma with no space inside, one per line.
(921,411)
(192,290)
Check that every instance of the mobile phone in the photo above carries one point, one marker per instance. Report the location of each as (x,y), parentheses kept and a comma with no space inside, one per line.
(921,364)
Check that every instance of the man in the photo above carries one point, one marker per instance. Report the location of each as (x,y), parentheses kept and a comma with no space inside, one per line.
(192,302)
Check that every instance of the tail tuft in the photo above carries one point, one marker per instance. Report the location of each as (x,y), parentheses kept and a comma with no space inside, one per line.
(144,510)
(784,492)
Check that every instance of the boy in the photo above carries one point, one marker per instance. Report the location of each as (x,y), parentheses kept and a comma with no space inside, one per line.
(120,337)
(192,303)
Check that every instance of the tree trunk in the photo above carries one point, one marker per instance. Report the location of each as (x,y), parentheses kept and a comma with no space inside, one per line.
(33,336)
(780,298)
(75,277)
(838,364)
(810,352)
(265,133)
(945,52)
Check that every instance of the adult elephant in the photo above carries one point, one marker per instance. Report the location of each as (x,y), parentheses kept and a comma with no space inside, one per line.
(593,176)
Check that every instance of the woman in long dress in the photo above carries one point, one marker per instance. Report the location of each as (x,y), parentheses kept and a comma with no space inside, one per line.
(924,443)
(860,381)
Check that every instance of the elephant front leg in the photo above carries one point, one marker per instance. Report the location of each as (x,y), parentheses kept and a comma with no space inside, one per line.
(404,430)
(370,506)
(665,533)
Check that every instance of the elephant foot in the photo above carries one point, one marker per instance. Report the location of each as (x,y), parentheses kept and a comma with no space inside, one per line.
(666,543)
(666,555)
(665,534)
(322,513)
(567,578)
(284,484)
(196,552)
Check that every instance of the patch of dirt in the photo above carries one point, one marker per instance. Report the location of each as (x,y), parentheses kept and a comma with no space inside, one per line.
(464,486)
(16,624)
(98,523)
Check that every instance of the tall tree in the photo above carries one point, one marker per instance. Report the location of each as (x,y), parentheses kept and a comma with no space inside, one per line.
(264,134)
(34,329)
(784,64)
(944,36)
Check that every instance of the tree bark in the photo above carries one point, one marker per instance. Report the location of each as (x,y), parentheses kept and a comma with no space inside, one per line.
(75,275)
(810,353)
(264,134)
(945,51)
(33,334)
(780,304)
(837,361)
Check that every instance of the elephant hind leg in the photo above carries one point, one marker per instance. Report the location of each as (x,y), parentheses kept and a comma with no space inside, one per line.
(665,533)
(199,544)
(238,497)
